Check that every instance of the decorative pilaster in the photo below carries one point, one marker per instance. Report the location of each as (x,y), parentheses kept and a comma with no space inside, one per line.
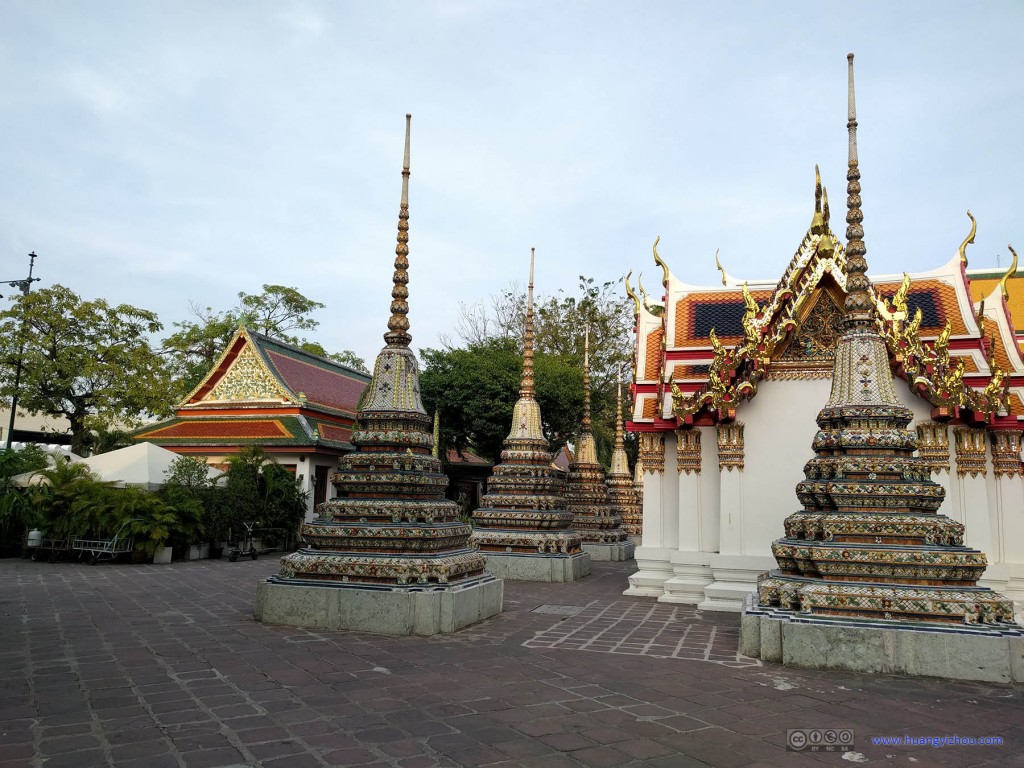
(1006,446)
(652,452)
(730,446)
(933,445)
(970,452)
(688,451)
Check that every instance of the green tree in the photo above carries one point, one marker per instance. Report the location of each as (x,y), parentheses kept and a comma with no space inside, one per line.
(259,489)
(561,322)
(16,514)
(476,388)
(86,361)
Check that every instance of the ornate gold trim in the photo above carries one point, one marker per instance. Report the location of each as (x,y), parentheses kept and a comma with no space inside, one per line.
(688,451)
(730,446)
(652,452)
(1006,446)
(970,452)
(933,445)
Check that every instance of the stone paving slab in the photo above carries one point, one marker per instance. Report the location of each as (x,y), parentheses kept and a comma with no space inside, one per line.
(152,666)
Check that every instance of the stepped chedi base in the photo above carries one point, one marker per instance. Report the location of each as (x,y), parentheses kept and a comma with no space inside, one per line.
(869,557)
(586,493)
(522,526)
(390,555)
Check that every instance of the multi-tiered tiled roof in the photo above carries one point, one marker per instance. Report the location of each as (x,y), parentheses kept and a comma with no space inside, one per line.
(265,392)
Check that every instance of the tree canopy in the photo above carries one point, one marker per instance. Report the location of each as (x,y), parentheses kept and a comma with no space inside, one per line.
(86,361)
(492,332)
(476,388)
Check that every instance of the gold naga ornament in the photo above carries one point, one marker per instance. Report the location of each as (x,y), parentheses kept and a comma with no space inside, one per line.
(725,387)
(734,374)
(929,369)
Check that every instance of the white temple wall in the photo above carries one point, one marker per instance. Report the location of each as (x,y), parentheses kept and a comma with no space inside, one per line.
(708,536)
(780,428)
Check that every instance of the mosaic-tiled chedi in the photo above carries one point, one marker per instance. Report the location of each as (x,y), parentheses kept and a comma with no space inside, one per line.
(622,489)
(869,542)
(391,524)
(587,494)
(523,513)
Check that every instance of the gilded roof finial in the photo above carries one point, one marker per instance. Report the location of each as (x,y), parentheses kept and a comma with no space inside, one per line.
(660,263)
(824,206)
(1009,273)
(981,318)
(632,295)
(398,325)
(968,240)
(719,265)
(817,220)
(585,426)
(526,388)
(858,302)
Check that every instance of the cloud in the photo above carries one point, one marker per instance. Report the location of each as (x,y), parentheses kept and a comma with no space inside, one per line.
(96,91)
(304,21)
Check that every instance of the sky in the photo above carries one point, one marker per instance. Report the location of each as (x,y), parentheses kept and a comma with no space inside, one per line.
(166,153)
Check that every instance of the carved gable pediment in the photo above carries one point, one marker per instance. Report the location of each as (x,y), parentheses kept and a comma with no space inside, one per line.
(248,378)
(810,349)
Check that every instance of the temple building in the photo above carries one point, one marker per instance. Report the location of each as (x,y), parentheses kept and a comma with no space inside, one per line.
(298,407)
(586,492)
(729,380)
(523,526)
(622,486)
(389,555)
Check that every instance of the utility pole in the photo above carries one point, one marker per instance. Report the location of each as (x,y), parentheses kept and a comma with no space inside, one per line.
(24,285)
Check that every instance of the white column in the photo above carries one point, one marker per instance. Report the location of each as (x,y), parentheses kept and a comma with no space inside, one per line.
(654,553)
(691,572)
(735,573)
(1009,502)
(971,470)
(933,447)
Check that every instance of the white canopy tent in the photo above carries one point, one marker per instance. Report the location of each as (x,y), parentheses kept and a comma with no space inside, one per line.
(143,464)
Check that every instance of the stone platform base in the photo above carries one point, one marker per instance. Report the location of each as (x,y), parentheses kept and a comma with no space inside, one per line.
(967,652)
(617,552)
(414,610)
(519,567)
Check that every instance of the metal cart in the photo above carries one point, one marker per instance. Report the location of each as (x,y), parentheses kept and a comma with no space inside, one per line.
(47,549)
(105,549)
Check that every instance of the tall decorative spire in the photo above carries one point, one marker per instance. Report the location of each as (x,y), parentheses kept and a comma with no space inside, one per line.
(620,442)
(869,542)
(522,524)
(586,490)
(858,304)
(398,325)
(585,425)
(526,388)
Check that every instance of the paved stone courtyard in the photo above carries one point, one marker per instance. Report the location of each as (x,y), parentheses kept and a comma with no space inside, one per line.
(154,666)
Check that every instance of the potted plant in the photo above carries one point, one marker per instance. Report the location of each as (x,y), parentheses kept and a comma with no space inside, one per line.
(153,524)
